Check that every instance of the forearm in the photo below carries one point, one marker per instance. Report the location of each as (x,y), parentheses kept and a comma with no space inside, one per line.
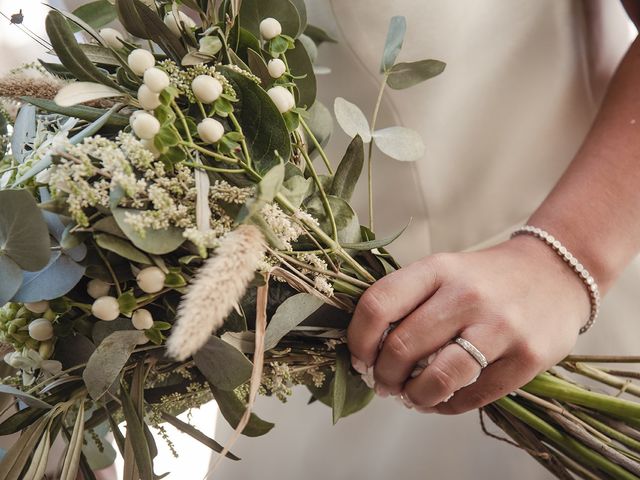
(594,209)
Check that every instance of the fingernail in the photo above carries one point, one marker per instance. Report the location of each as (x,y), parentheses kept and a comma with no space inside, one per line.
(358,365)
(367,377)
(381,391)
(448,398)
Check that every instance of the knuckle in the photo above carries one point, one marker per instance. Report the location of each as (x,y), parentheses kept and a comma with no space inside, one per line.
(530,356)
(442,378)
(371,305)
(472,295)
(399,344)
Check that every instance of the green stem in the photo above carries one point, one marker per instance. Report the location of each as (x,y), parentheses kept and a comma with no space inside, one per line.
(611,380)
(213,169)
(374,119)
(323,194)
(202,110)
(183,120)
(210,153)
(611,432)
(319,148)
(245,148)
(110,269)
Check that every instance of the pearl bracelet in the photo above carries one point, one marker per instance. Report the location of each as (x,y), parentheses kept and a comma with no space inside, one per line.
(585,277)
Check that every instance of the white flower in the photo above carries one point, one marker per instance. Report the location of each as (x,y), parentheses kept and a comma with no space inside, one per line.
(173,23)
(142,319)
(270,28)
(145,126)
(218,287)
(210,130)
(206,89)
(157,80)
(37,307)
(41,329)
(149,100)
(106,308)
(151,279)
(140,60)
(282,98)
(97,288)
(276,68)
(112,37)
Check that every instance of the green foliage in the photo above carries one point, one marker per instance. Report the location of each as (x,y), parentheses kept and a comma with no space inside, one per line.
(289,315)
(406,75)
(232,409)
(252,12)
(348,172)
(393,44)
(224,366)
(157,242)
(97,14)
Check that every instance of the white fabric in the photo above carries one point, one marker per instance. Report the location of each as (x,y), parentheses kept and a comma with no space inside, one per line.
(522,85)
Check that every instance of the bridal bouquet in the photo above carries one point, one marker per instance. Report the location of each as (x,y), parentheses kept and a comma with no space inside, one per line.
(173,232)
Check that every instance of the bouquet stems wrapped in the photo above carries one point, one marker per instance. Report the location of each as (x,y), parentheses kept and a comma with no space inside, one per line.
(172,231)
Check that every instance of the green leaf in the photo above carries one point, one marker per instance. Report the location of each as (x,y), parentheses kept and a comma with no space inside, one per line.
(70,53)
(296,189)
(24,236)
(349,170)
(223,365)
(232,409)
(252,12)
(268,188)
(393,44)
(318,35)
(136,438)
(196,434)
(300,66)
(80,92)
(358,395)
(93,128)
(320,123)
(291,313)
(55,280)
(79,111)
(400,143)
(11,275)
(346,218)
(99,54)
(38,466)
(74,450)
(122,248)
(262,124)
(97,14)
(15,459)
(25,397)
(351,119)
(127,302)
(405,75)
(107,361)
(302,14)
(339,393)
(259,67)
(377,243)
(157,242)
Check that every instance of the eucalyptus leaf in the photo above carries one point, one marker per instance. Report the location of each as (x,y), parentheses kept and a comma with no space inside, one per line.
(223,365)
(349,170)
(24,131)
(339,392)
(110,226)
(393,44)
(400,143)
(82,112)
(351,119)
(296,189)
(300,66)
(94,127)
(318,35)
(55,280)
(102,330)
(107,361)
(289,315)
(157,242)
(11,275)
(320,123)
(345,217)
(25,397)
(80,92)
(232,409)
(377,243)
(97,13)
(24,236)
(136,439)
(358,395)
(405,75)
(122,248)
(302,14)
(252,12)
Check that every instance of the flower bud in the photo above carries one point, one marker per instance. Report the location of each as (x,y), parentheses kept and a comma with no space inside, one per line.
(112,37)
(151,279)
(206,89)
(282,98)
(210,130)
(140,60)
(270,28)
(106,308)
(37,307)
(276,68)
(149,100)
(41,329)
(97,288)
(157,80)
(142,319)
(174,23)
(146,126)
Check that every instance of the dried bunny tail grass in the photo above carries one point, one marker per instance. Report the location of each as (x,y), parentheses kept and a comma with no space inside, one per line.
(218,287)
(21,84)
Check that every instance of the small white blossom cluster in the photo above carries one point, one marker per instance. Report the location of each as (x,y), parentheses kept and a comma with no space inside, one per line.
(182,78)
(320,281)
(286,230)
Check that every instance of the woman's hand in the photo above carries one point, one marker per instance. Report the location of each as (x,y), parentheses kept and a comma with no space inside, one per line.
(517,302)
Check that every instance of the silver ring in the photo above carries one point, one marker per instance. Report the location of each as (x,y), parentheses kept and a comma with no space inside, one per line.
(473,351)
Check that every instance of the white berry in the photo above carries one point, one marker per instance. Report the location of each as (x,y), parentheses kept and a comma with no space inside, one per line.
(157,80)
(146,126)
(210,130)
(133,116)
(206,89)
(276,68)
(41,329)
(151,279)
(151,146)
(149,100)
(112,37)
(173,23)
(270,28)
(140,60)
(37,307)
(142,319)
(106,308)
(282,98)
(97,288)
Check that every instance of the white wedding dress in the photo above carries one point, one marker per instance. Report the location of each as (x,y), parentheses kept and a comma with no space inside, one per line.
(522,85)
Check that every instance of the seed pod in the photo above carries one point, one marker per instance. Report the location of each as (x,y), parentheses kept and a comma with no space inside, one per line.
(173,23)
(210,130)
(41,329)
(106,308)
(37,307)
(151,279)
(282,98)
(157,80)
(276,68)
(146,126)
(142,319)
(270,28)
(149,100)
(97,288)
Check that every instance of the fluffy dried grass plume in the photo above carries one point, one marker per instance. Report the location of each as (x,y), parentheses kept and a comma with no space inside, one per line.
(30,82)
(217,288)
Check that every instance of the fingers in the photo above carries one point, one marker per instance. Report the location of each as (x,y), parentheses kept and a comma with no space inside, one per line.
(387,301)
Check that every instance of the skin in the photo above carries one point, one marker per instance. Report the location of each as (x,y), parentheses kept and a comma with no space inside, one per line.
(517,302)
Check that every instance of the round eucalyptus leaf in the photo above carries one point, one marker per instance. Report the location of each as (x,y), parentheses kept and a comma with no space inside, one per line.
(11,275)
(351,119)
(24,236)
(157,242)
(400,143)
(55,280)
(320,123)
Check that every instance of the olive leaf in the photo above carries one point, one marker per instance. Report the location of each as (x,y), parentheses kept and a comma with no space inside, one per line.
(223,365)
(376,243)
(252,12)
(393,44)
(80,92)
(74,449)
(318,35)
(339,393)
(157,242)
(300,66)
(15,459)
(136,442)
(99,54)
(82,112)
(291,313)
(232,409)
(97,13)
(349,170)
(25,397)
(400,143)
(351,119)
(122,248)
(405,75)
